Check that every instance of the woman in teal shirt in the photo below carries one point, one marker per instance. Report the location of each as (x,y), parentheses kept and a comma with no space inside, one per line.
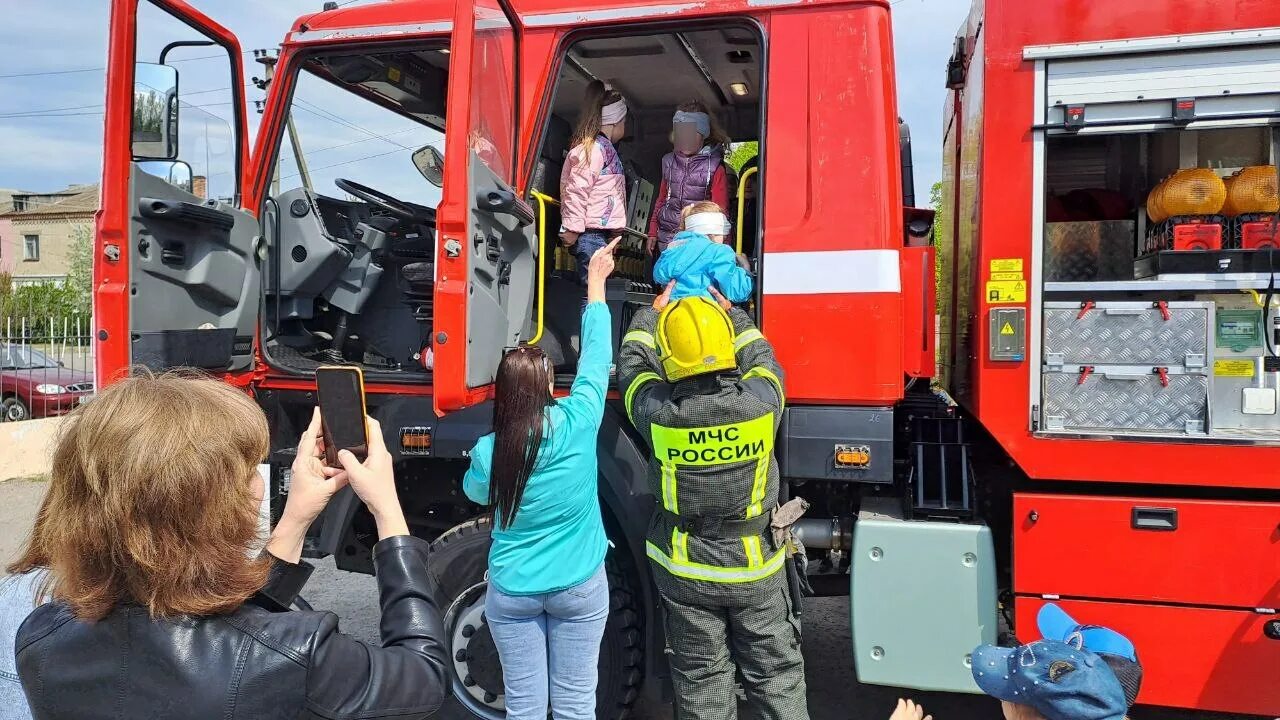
(548,596)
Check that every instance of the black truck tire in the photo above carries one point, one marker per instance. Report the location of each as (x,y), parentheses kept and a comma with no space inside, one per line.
(458,561)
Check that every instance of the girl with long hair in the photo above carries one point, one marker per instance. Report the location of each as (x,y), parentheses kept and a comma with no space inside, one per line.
(694,171)
(593,186)
(548,596)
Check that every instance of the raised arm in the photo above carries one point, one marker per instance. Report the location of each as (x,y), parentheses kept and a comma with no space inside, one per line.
(406,677)
(585,403)
(640,375)
(761,373)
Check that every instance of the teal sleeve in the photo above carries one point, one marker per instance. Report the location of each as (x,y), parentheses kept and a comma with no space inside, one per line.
(476,482)
(585,404)
(732,281)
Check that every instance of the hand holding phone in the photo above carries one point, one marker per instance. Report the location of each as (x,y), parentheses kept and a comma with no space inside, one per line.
(342,412)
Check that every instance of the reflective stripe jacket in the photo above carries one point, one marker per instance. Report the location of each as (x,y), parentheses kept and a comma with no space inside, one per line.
(712,441)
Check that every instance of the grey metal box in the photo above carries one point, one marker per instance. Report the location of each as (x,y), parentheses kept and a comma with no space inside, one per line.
(923,596)
(1127,333)
(811,435)
(1125,399)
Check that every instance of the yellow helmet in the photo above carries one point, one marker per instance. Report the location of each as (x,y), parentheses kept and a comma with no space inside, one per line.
(695,337)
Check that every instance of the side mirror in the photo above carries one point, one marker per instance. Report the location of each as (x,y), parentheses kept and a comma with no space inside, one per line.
(430,163)
(175,172)
(155,112)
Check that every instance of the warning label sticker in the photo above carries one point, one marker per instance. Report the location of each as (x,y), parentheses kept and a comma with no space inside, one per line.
(1004,265)
(1233,368)
(1006,276)
(1007,328)
(1003,292)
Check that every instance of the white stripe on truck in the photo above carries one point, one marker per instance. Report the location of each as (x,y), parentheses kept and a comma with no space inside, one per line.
(831,271)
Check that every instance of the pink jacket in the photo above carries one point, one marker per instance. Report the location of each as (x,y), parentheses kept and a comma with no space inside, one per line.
(593,191)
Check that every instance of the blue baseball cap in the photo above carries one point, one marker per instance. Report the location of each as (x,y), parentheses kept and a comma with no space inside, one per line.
(1115,649)
(1060,681)
(1056,624)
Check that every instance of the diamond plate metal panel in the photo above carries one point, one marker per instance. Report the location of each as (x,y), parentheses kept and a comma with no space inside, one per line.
(1089,251)
(1126,334)
(1104,404)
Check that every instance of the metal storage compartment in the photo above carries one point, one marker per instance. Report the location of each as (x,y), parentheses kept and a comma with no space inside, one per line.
(1127,333)
(1126,368)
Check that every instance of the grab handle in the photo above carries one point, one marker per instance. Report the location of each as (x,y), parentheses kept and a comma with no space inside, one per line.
(1160,519)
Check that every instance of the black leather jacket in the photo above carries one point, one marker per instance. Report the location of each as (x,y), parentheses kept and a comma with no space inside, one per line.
(257,662)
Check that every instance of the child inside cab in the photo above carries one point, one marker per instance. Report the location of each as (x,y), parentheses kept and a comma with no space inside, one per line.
(697,258)
(593,187)
(693,172)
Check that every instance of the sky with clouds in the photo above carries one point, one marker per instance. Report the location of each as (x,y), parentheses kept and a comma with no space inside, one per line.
(52,90)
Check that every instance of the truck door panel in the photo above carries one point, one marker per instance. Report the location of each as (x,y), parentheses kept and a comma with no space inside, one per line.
(486,258)
(176,278)
(194,285)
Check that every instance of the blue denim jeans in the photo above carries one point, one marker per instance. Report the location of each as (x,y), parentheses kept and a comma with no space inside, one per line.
(550,646)
(588,243)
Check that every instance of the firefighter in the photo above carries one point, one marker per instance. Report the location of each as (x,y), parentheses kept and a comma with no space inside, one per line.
(703,388)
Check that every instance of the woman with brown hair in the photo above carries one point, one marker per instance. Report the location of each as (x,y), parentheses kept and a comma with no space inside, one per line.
(162,603)
(548,596)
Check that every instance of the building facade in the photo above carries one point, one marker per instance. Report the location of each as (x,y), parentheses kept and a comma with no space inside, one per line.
(39,230)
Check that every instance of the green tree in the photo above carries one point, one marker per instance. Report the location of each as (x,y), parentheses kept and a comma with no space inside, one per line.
(740,153)
(80,267)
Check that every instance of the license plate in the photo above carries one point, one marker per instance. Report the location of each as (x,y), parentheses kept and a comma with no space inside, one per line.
(84,399)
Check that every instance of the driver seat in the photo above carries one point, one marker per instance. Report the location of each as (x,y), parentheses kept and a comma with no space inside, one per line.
(419,288)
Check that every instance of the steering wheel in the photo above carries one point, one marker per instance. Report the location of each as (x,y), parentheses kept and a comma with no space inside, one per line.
(395,206)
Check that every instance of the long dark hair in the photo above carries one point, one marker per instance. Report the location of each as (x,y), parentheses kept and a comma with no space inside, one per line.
(593,101)
(523,393)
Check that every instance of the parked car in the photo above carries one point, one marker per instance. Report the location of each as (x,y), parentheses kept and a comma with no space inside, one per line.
(34,385)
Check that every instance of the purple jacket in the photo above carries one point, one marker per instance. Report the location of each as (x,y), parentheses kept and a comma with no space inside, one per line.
(688,180)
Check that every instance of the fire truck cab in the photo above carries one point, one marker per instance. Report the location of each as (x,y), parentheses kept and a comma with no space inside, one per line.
(426,268)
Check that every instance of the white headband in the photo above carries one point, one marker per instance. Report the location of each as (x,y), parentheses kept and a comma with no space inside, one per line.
(707,223)
(613,113)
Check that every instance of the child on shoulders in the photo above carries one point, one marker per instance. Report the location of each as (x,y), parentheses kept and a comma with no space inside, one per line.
(697,257)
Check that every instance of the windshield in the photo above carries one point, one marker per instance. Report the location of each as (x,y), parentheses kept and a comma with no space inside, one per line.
(342,134)
(25,358)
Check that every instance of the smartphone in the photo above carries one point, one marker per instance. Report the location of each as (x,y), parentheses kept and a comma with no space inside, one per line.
(342,412)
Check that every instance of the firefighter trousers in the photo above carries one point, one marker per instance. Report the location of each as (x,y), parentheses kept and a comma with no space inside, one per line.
(706,640)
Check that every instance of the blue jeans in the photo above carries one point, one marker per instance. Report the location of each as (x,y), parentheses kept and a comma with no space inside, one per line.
(588,243)
(550,645)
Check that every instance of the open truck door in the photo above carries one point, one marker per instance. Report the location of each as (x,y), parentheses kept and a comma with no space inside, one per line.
(176,269)
(486,249)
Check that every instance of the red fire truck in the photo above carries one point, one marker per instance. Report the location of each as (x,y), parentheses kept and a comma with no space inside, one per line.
(1129,377)
(398,211)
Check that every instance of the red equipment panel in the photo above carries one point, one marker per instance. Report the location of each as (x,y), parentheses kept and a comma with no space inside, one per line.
(1259,235)
(919,303)
(1197,552)
(1191,657)
(1197,236)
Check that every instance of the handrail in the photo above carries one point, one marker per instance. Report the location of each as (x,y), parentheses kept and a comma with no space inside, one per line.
(543,201)
(742,201)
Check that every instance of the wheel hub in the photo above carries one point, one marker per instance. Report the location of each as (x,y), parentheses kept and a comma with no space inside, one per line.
(477,668)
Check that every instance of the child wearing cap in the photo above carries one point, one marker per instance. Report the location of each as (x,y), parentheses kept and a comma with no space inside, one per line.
(697,258)
(1077,672)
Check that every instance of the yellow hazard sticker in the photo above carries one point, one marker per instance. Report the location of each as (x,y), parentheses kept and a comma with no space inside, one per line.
(1006,276)
(1003,265)
(1006,292)
(1006,329)
(393,74)
(1233,368)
